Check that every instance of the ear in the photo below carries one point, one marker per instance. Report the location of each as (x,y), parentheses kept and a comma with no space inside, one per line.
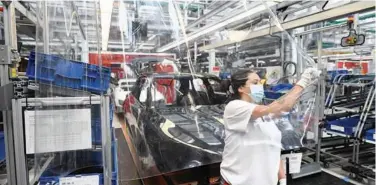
(241,89)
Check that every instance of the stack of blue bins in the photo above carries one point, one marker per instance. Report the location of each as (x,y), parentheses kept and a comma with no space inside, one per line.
(51,69)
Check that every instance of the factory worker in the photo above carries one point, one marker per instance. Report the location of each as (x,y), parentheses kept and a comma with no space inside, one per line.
(253,142)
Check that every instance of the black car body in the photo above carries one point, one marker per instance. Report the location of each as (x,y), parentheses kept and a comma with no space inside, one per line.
(183,133)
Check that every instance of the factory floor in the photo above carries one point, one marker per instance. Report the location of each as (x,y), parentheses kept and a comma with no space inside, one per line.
(127,170)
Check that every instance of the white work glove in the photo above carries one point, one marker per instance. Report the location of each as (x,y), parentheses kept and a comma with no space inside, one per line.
(282,182)
(309,77)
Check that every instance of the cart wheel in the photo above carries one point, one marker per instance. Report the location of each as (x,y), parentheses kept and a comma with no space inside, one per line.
(326,165)
(352,175)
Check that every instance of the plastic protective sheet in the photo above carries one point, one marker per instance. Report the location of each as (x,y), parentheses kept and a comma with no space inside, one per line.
(301,123)
(169,119)
(174,121)
(170,115)
(67,126)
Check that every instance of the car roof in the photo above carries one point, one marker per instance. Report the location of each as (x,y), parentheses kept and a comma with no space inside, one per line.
(180,75)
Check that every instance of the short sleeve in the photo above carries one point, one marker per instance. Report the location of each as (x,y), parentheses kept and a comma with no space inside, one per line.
(237,115)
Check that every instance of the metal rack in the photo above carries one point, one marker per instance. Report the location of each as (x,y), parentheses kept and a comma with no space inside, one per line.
(17,168)
(6,88)
(25,176)
(363,107)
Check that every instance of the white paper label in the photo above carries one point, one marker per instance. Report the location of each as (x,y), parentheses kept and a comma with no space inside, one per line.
(80,180)
(57,130)
(295,161)
(374,136)
(337,128)
(310,135)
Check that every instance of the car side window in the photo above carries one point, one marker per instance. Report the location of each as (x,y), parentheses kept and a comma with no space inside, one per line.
(138,87)
(215,85)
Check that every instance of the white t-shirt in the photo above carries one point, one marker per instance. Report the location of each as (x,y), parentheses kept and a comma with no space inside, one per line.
(252,147)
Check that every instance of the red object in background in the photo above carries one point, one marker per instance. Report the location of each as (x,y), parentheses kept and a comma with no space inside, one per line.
(350,65)
(109,58)
(216,69)
(165,86)
(112,59)
(129,101)
(364,66)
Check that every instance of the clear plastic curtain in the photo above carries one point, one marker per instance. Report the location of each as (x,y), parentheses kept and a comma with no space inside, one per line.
(161,102)
(67,123)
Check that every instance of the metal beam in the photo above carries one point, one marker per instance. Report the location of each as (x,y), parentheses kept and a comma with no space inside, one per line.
(78,20)
(311,19)
(222,7)
(30,15)
(256,10)
(10,37)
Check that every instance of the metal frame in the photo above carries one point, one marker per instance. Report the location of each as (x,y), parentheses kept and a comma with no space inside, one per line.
(318,17)
(10,41)
(363,116)
(23,176)
(360,126)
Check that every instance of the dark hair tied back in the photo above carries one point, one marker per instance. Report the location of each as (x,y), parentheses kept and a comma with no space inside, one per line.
(238,79)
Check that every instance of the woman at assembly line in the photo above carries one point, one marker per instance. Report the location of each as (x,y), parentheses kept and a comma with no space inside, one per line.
(253,141)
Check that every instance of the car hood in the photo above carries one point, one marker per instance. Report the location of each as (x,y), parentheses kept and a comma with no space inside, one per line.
(200,127)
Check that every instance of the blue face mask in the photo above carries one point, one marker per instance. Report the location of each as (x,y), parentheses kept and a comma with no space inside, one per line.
(257,93)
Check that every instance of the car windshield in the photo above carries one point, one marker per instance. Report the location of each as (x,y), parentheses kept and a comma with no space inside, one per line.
(178,91)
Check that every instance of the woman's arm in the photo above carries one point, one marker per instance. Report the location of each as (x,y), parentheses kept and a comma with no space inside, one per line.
(283,104)
(281,172)
(286,102)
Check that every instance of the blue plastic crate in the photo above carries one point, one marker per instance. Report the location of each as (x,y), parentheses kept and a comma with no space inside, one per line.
(281,87)
(332,74)
(273,95)
(89,160)
(370,135)
(276,91)
(46,67)
(344,126)
(2,147)
(67,73)
(95,81)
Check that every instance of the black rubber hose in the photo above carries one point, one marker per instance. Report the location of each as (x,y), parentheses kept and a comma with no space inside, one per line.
(285,65)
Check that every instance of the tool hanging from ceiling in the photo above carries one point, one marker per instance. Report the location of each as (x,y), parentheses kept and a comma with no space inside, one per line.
(353,39)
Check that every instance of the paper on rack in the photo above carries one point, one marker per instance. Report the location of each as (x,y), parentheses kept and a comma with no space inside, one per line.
(57,130)
(80,180)
(295,161)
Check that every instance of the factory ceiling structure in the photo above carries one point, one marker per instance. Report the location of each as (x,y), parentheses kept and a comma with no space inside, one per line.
(207,24)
